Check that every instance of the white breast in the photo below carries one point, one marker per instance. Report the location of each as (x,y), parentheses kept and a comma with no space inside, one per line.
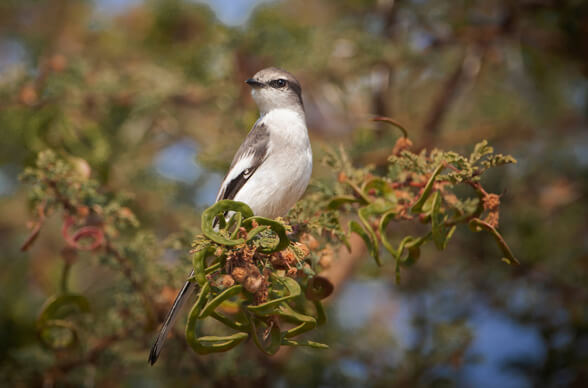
(283,177)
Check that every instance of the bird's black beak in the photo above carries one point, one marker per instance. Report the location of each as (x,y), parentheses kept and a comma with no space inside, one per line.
(253,83)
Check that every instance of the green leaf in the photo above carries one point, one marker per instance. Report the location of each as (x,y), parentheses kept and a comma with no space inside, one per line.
(321,317)
(275,227)
(58,334)
(306,322)
(270,307)
(55,332)
(336,202)
(233,324)
(477,225)
(208,344)
(255,231)
(311,344)
(440,231)
(221,208)
(199,264)
(275,337)
(381,189)
(364,214)
(413,245)
(417,207)
(214,344)
(53,305)
(234,222)
(220,298)
(384,221)
(355,227)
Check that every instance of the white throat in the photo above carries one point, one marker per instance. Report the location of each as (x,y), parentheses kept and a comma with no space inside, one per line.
(268,101)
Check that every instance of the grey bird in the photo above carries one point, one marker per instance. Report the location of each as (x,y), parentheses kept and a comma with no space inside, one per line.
(270,170)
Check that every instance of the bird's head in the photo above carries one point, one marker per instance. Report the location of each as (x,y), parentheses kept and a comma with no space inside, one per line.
(274,88)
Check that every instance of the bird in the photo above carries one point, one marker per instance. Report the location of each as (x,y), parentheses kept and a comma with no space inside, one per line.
(271,169)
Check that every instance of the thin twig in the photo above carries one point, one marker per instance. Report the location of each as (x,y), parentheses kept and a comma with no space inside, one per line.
(36,228)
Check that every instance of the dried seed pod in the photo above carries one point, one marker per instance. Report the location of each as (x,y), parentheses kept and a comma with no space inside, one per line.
(239,274)
(292,272)
(226,281)
(277,260)
(491,201)
(318,288)
(253,283)
(289,257)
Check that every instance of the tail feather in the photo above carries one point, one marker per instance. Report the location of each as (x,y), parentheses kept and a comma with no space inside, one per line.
(170,319)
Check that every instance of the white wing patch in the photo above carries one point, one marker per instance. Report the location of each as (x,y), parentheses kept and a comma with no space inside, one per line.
(243,164)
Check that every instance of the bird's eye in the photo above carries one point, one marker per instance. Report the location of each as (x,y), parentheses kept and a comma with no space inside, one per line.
(278,83)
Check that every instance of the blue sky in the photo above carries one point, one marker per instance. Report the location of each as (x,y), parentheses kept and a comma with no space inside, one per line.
(230,12)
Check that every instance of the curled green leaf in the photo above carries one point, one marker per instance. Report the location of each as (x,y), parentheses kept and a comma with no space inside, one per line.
(268,308)
(55,332)
(199,264)
(341,200)
(384,221)
(220,209)
(321,316)
(364,214)
(275,227)
(215,344)
(441,232)
(208,344)
(305,322)
(478,223)
(58,334)
(255,231)
(311,344)
(355,227)
(220,298)
(270,345)
(234,224)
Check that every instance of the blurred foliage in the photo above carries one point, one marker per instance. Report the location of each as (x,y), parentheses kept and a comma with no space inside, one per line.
(415,189)
(110,93)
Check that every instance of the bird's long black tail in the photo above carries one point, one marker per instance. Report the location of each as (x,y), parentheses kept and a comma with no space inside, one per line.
(170,319)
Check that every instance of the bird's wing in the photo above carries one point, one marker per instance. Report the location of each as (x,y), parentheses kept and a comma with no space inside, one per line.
(248,158)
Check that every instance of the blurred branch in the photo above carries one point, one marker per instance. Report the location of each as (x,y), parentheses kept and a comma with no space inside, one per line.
(442,104)
(346,263)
